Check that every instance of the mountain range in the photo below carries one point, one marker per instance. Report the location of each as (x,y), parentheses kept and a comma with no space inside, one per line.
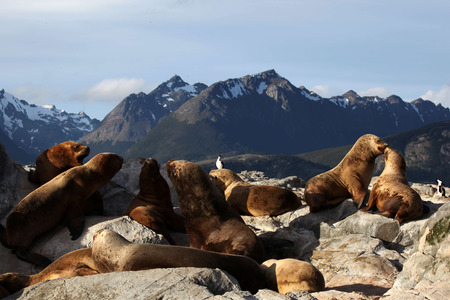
(265,113)
(28,129)
(135,115)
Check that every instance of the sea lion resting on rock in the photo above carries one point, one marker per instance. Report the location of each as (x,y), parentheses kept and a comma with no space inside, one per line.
(75,263)
(254,200)
(60,199)
(153,207)
(286,275)
(349,179)
(391,193)
(60,158)
(210,222)
(112,253)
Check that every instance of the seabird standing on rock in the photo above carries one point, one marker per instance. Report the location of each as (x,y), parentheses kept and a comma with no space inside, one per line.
(219,163)
(440,188)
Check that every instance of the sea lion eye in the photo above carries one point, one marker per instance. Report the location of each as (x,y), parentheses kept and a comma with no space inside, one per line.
(76,147)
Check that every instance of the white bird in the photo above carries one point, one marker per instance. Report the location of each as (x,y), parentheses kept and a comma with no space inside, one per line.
(440,188)
(219,163)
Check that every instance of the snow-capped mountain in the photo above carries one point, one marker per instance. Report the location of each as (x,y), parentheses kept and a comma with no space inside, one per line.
(135,115)
(265,113)
(35,128)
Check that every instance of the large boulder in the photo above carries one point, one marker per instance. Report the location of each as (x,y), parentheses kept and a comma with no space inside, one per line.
(427,271)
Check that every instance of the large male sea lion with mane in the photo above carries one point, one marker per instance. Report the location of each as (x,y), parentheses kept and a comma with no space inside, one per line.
(391,193)
(112,253)
(59,200)
(210,222)
(349,179)
(254,200)
(153,207)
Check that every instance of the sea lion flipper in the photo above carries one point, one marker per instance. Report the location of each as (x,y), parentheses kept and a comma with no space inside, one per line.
(75,230)
(33,258)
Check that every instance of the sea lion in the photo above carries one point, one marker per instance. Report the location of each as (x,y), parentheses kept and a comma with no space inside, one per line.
(289,274)
(152,207)
(75,263)
(349,179)
(112,253)
(60,199)
(60,158)
(210,222)
(391,193)
(254,200)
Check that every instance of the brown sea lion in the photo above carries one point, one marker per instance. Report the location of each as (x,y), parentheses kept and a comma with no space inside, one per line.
(60,158)
(153,207)
(391,193)
(210,222)
(75,263)
(254,200)
(349,179)
(289,274)
(60,199)
(111,253)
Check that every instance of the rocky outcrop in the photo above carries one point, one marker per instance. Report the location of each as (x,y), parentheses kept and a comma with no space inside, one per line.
(361,255)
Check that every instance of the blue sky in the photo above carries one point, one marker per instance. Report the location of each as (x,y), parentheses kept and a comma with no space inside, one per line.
(87,55)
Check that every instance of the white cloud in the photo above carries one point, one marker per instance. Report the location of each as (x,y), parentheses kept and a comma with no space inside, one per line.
(56,6)
(36,94)
(114,90)
(322,90)
(376,91)
(442,96)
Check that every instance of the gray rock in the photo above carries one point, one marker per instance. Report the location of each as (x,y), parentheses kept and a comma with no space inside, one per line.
(373,225)
(429,264)
(177,283)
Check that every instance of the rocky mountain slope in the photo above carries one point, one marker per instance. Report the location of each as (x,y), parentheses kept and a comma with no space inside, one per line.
(33,128)
(265,113)
(135,115)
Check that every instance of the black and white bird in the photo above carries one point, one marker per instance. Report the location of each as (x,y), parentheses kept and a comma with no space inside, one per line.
(219,162)
(440,188)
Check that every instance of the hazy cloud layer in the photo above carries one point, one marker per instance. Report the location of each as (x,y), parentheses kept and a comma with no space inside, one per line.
(442,96)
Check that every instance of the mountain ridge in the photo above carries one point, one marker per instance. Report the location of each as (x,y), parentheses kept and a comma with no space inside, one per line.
(265,113)
(32,128)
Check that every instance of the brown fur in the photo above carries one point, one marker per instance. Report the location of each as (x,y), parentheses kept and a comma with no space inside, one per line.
(111,253)
(60,158)
(153,207)
(349,179)
(254,200)
(210,222)
(75,263)
(391,193)
(60,199)
(286,275)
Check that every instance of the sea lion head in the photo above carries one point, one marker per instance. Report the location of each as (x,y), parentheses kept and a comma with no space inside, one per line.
(68,154)
(394,161)
(107,164)
(372,144)
(149,171)
(224,177)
